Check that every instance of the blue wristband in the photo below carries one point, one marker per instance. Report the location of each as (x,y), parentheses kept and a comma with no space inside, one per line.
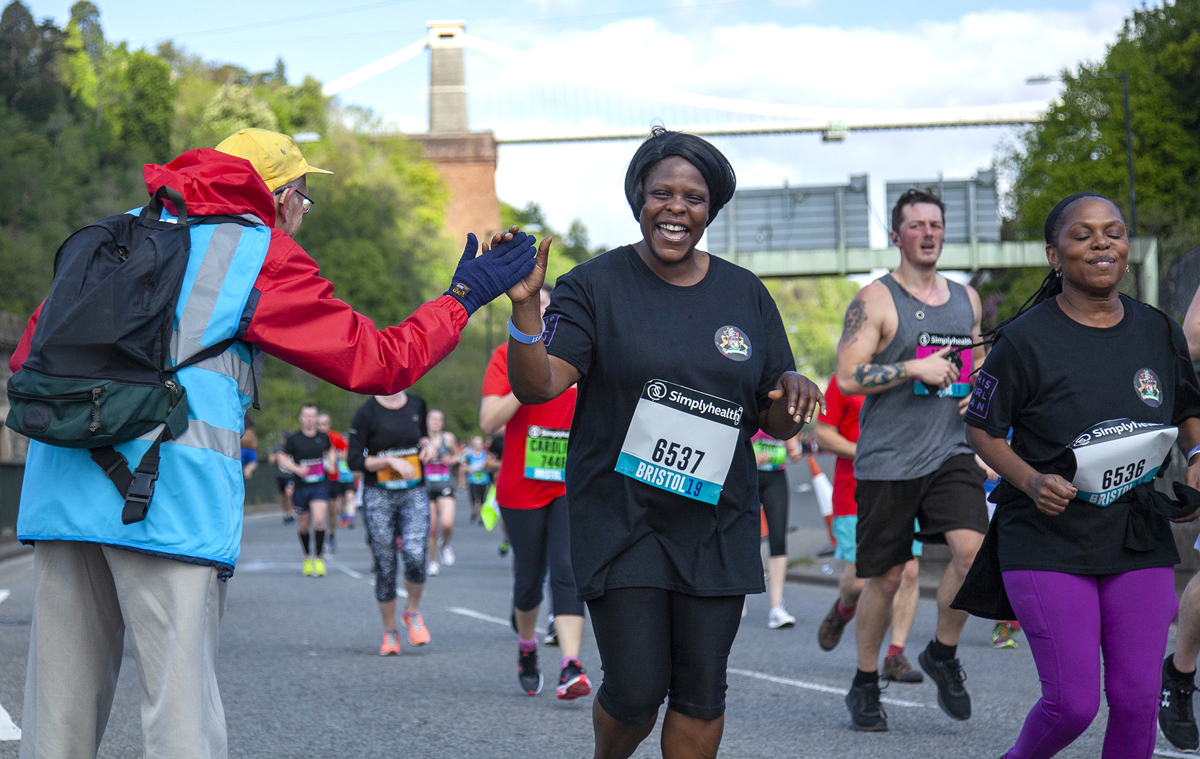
(520,336)
(1192,452)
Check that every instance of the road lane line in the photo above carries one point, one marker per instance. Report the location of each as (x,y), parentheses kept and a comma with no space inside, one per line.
(1168,752)
(4,594)
(486,617)
(8,730)
(339,566)
(815,686)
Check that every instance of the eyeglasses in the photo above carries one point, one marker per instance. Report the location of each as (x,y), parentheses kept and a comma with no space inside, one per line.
(305,204)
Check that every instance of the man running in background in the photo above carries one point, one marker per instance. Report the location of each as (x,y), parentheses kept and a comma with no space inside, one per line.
(308,455)
(837,432)
(904,346)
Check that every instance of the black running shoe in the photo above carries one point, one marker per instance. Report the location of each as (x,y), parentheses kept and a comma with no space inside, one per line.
(949,678)
(866,713)
(529,674)
(1175,717)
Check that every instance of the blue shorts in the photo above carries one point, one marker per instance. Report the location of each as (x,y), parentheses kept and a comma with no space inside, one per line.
(845,533)
(306,493)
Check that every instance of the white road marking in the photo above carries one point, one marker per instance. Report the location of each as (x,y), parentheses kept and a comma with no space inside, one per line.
(815,686)
(8,730)
(485,617)
(1168,752)
(4,594)
(339,566)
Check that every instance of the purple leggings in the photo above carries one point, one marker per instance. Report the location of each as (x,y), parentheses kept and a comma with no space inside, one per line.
(1069,621)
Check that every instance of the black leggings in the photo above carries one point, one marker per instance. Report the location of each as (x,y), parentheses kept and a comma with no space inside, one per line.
(773,494)
(541,537)
(656,643)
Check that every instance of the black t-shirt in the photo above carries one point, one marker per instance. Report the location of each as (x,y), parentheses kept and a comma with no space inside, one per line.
(1049,379)
(308,452)
(684,358)
(376,430)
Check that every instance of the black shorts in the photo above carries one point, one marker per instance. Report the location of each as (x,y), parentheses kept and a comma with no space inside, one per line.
(950,498)
(308,492)
(283,483)
(440,489)
(657,644)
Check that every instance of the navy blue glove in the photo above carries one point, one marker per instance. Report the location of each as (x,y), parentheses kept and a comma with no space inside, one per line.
(479,281)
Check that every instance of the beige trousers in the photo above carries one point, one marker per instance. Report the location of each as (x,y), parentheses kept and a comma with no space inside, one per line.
(88,598)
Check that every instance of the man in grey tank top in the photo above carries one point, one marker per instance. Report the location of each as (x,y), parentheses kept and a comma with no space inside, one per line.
(906,345)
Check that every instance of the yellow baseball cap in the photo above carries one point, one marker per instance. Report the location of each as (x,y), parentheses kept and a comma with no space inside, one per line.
(275,156)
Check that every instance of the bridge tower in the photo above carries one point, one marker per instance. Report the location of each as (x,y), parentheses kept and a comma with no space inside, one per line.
(465,159)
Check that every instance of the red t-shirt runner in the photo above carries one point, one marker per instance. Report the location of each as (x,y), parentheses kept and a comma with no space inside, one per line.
(535,443)
(842,412)
(341,446)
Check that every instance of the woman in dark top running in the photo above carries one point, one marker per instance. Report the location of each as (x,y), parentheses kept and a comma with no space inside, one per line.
(680,357)
(387,441)
(1096,387)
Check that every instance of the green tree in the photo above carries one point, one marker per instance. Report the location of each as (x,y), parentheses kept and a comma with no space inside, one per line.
(1081,143)
(813,311)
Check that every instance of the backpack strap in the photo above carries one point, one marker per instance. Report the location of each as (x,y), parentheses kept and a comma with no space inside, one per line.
(137,487)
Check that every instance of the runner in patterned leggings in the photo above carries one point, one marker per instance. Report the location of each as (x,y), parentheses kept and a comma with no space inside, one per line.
(385,444)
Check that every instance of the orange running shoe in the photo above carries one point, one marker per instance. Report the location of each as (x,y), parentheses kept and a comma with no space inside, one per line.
(391,643)
(418,634)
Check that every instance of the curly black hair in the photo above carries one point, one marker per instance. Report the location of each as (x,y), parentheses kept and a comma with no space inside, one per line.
(662,144)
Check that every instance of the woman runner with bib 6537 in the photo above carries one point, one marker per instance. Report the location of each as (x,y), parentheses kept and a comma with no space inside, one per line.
(1096,388)
(680,358)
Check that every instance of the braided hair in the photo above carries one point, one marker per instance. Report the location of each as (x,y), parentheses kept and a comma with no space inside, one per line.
(1052,284)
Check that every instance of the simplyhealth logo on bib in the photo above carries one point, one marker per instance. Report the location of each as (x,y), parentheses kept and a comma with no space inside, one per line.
(1113,457)
(929,343)
(681,440)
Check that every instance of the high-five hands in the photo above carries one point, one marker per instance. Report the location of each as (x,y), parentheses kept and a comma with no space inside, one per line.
(480,279)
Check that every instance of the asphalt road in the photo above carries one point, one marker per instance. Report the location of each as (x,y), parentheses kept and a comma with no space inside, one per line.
(300,673)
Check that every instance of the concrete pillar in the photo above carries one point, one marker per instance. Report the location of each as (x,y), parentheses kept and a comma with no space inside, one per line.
(447,79)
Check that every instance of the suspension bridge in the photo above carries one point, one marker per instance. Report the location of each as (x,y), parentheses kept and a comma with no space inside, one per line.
(576,106)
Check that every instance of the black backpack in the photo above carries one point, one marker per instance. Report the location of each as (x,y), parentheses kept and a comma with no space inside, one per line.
(97,373)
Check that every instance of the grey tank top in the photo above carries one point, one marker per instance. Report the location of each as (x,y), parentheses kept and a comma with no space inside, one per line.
(904,435)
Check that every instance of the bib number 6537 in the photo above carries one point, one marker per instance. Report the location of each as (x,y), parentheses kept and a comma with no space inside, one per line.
(677,456)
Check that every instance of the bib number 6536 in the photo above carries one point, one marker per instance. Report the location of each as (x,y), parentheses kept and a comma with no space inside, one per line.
(676,456)
(1115,477)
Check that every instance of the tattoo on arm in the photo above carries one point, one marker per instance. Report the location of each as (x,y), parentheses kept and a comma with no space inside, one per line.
(874,375)
(856,317)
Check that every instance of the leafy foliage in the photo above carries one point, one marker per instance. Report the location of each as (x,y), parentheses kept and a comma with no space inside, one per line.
(1081,144)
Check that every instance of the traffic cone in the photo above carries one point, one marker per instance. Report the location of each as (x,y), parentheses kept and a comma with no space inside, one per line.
(823,489)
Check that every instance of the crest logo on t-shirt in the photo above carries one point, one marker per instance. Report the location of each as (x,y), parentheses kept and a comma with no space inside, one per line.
(732,343)
(1148,388)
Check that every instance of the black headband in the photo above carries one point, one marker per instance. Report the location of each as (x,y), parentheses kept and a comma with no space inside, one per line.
(1052,219)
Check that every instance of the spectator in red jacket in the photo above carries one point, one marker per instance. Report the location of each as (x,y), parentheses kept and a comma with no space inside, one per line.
(95,577)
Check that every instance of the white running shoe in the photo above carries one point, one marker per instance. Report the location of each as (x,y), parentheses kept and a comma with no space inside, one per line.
(433,569)
(448,556)
(778,618)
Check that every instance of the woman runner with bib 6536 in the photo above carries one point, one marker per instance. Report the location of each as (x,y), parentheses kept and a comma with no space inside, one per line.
(680,358)
(1096,388)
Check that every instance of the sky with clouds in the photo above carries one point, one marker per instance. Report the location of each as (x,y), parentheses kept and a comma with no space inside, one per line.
(816,53)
